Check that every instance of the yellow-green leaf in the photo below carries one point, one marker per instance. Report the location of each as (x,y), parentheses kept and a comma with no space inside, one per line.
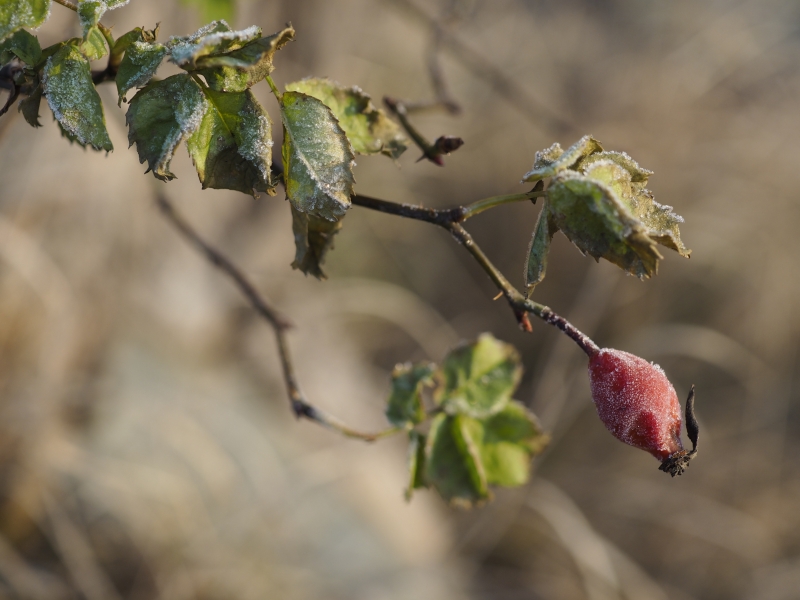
(368,128)
(551,161)
(214,38)
(416,463)
(478,379)
(232,145)
(506,442)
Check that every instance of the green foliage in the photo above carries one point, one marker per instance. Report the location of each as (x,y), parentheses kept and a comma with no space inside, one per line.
(317,158)
(94,44)
(480,437)
(240,69)
(228,135)
(68,87)
(29,107)
(404,408)
(478,379)
(16,14)
(368,128)
(598,199)
(210,40)
(138,64)
(313,238)
(24,46)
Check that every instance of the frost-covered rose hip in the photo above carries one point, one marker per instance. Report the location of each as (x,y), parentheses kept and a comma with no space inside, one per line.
(638,405)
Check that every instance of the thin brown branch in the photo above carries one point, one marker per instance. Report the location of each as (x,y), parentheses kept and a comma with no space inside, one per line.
(279,323)
(451,219)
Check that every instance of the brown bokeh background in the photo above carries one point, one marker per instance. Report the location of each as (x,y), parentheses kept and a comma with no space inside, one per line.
(146,446)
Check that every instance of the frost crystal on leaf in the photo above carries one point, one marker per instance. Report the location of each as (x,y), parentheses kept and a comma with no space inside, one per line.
(214,38)
(317,157)
(16,14)
(70,92)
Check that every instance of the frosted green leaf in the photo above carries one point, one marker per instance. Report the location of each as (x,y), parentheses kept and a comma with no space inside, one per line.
(313,238)
(404,407)
(600,224)
(536,266)
(627,179)
(506,442)
(68,87)
(232,145)
(214,38)
(29,107)
(139,64)
(317,158)
(213,9)
(551,161)
(16,14)
(416,463)
(478,379)
(24,46)
(452,463)
(89,13)
(94,44)
(240,69)
(368,128)
(160,116)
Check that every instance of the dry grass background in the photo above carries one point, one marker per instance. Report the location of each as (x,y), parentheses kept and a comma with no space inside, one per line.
(146,446)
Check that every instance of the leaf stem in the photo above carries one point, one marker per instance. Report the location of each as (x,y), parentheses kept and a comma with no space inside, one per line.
(274,88)
(481,205)
(300,407)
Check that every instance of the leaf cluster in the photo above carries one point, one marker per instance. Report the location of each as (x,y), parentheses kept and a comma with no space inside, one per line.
(479,436)
(598,199)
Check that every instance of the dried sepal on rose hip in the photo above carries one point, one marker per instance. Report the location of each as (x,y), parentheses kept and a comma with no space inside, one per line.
(638,405)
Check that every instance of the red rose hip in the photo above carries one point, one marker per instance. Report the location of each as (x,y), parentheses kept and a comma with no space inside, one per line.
(638,405)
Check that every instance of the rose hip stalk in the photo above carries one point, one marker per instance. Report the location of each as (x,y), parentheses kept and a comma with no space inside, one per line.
(638,405)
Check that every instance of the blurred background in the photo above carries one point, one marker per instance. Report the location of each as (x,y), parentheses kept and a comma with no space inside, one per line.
(147,449)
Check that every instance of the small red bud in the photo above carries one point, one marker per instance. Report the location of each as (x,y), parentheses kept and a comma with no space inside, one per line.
(638,405)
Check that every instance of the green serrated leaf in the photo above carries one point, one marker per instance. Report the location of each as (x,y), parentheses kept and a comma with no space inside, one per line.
(29,107)
(368,128)
(232,146)
(16,14)
(213,9)
(139,64)
(313,238)
(623,175)
(24,46)
(68,87)
(506,442)
(404,407)
(241,69)
(160,116)
(416,463)
(94,44)
(536,266)
(551,161)
(478,379)
(600,224)
(124,41)
(450,463)
(317,158)
(214,38)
